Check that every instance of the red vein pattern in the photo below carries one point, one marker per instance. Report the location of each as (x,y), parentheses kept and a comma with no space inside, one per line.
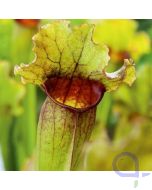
(76,93)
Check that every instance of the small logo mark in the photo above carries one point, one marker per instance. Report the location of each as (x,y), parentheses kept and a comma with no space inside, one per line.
(135,173)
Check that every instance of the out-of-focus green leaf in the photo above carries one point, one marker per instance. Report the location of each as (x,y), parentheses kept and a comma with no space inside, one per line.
(11,92)
(18,129)
(100,154)
(21,44)
(123,39)
(6,29)
(133,129)
(115,33)
(134,107)
(24,133)
(139,45)
(139,98)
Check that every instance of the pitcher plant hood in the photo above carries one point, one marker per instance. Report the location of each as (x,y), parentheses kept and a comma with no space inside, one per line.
(71,67)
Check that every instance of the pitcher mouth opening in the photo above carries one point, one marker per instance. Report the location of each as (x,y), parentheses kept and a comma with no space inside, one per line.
(75,93)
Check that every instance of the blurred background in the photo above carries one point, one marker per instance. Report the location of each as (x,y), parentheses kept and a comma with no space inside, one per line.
(124,117)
